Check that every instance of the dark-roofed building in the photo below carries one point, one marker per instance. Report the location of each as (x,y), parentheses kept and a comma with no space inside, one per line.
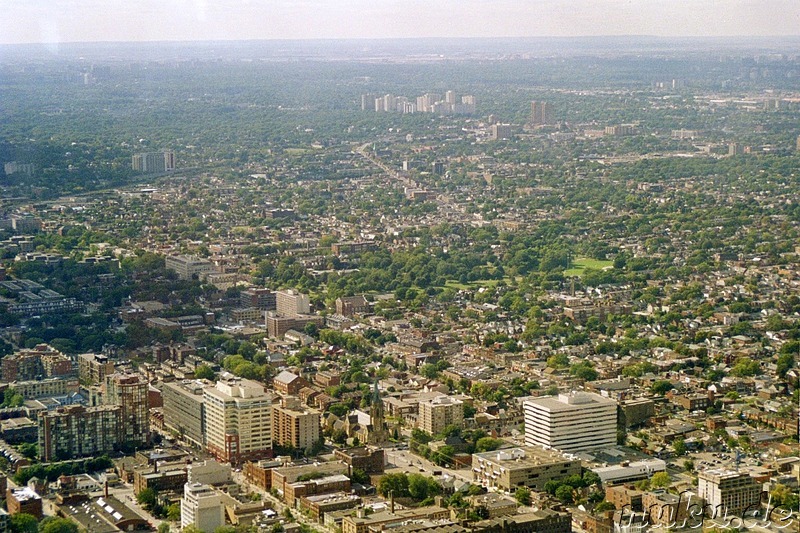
(105,514)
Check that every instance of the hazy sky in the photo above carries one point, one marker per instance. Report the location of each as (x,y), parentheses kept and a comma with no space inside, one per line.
(49,21)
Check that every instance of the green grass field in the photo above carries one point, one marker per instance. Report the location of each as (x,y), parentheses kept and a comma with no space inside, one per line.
(582,263)
(453,284)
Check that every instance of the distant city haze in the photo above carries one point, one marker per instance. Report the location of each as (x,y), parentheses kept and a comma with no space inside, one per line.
(63,21)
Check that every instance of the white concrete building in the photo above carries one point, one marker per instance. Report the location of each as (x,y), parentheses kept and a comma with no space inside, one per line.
(574,422)
(201,506)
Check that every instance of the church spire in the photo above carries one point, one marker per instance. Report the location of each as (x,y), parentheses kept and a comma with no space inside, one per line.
(378,434)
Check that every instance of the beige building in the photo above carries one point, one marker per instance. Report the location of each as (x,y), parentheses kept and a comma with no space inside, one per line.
(46,387)
(238,420)
(289,302)
(293,425)
(528,466)
(362,523)
(439,412)
(189,266)
(728,493)
(93,368)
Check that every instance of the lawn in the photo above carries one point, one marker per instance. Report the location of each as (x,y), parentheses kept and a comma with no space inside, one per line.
(582,263)
(478,283)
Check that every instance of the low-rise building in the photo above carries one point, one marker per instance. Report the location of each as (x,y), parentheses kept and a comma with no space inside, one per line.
(541,521)
(629,471)
(318,505)
(188,267)
(370,460)
(529,466)
(362,523)
(24,500)
(284,476)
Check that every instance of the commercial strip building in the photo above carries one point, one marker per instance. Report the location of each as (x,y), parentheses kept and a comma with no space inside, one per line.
(629,471)
(574,422)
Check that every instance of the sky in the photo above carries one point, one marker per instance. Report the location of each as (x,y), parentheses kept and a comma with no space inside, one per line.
(61,21)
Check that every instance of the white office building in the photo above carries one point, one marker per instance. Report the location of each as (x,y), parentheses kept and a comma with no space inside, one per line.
(201,506)
(574,422)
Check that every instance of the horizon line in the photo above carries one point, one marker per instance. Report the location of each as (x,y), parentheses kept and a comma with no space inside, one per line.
(388,39)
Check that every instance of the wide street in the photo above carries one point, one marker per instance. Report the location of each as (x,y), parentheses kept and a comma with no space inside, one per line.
(411,463)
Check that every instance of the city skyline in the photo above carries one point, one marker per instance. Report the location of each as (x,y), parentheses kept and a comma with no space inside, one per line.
(63,21)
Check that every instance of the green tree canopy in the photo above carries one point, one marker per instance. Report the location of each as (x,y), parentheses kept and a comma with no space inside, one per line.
(523,495)
(23,523)
(52,524)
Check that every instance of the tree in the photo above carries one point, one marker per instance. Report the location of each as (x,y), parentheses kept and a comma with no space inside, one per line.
(163,527)
(550,486)
(29,450)
(679,447)
(604,506)
(203,371)
(395,484)
(523,495)
(11,398)
(560,360)
(360,476)
(147,498)
(57,525)
(24,523)
(660,480)
(785,497)
(591,478)
(174,512)
(784,364)
(584,370)
(487,444)
(564,493)
(661,387)
(422,487)
(746,367)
